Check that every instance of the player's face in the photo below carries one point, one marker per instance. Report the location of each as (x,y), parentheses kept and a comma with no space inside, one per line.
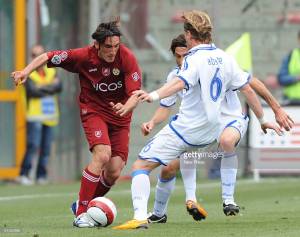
(109,49)
(180,52)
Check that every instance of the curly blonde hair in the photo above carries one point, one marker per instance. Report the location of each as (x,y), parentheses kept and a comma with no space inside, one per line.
(199,24)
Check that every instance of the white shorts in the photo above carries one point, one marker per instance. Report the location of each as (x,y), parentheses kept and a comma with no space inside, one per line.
(239,123)
(164,147)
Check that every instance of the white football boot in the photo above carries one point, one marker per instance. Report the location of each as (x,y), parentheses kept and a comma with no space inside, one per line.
(84,221)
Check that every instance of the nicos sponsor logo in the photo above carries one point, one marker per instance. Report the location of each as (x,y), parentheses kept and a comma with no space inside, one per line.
(104,87)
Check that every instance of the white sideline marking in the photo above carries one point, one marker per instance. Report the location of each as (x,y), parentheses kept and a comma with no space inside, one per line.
(116,192)
(33,196)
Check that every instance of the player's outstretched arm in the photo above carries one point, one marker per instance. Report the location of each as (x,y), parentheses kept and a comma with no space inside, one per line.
(255,105)
(160,115)
(20,77)
(282,118)
(129,106)
(166,90)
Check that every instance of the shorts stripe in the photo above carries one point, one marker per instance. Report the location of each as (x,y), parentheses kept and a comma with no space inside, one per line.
(181,137)
(229,124)
(153,159)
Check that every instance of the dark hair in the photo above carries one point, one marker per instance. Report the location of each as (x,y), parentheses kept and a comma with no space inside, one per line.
(179,41)
(105,30)
(204,36)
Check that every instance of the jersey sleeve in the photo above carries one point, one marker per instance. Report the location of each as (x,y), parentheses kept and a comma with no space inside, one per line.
(239,77)
(66,59)
(132,73)
(188,72)
(170,100)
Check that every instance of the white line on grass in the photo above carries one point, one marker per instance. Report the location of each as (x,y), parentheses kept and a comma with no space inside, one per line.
(56,195)
(118,192)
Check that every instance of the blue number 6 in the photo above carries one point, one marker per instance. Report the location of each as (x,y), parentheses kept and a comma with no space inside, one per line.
(215,86)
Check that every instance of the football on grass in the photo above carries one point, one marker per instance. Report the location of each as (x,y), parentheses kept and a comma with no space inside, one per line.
(102,210)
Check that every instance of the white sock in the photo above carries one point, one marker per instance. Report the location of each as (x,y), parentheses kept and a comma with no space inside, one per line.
(163,190)
(189,181)
(229,164)
(140,192)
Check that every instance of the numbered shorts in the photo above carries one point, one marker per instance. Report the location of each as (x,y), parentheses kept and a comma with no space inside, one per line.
(239,123)
(98,132)
(164,147)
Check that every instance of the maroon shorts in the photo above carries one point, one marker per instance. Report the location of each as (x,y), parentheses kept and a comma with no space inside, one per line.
(98,131)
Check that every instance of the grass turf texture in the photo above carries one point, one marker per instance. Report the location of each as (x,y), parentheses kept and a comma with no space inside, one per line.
(269,208)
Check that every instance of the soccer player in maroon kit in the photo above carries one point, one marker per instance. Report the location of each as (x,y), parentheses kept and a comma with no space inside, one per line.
(108,74)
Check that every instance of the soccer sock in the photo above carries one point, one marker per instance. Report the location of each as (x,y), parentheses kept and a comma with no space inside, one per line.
(163,190)
(189,181)
(228,176)
(103,186)
(89,182)
(140,191)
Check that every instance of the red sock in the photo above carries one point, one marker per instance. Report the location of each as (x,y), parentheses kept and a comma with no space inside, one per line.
(103,186)
(89,182)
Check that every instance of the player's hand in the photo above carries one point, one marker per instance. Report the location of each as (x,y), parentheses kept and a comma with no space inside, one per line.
(147,127)
(142,96)
(272,126)
(19,77)
(283,119)
(120,109)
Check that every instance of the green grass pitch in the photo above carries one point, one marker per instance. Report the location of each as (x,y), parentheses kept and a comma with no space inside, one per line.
(269,208)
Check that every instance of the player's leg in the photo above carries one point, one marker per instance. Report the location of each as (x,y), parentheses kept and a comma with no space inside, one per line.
(164,188)
(109,175)
(229,139)
(97,135)
(89,182)
(162,149)
(140,192)
(188,173)
(119,139)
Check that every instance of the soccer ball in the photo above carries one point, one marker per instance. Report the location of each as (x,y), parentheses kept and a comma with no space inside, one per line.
(102,211)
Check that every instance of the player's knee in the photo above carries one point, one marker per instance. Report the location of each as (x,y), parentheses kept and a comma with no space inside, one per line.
(168,172)
(101,157)
(138,166)
(227,144)
(144,165)
(111,177)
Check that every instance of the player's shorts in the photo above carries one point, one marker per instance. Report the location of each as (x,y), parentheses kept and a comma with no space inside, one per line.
(239,123)
(98,132)
(164,147)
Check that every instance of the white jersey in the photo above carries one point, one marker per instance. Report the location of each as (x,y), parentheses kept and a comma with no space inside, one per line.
(231,105)
(171,100)
(208,72)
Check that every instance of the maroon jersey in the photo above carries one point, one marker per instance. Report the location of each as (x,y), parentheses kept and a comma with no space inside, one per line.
(101,82)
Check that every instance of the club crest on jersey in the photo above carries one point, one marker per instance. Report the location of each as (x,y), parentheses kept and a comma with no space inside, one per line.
(58,58)
(105,72)
(98,133)
(64,55)
(116,71)
(135,76)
